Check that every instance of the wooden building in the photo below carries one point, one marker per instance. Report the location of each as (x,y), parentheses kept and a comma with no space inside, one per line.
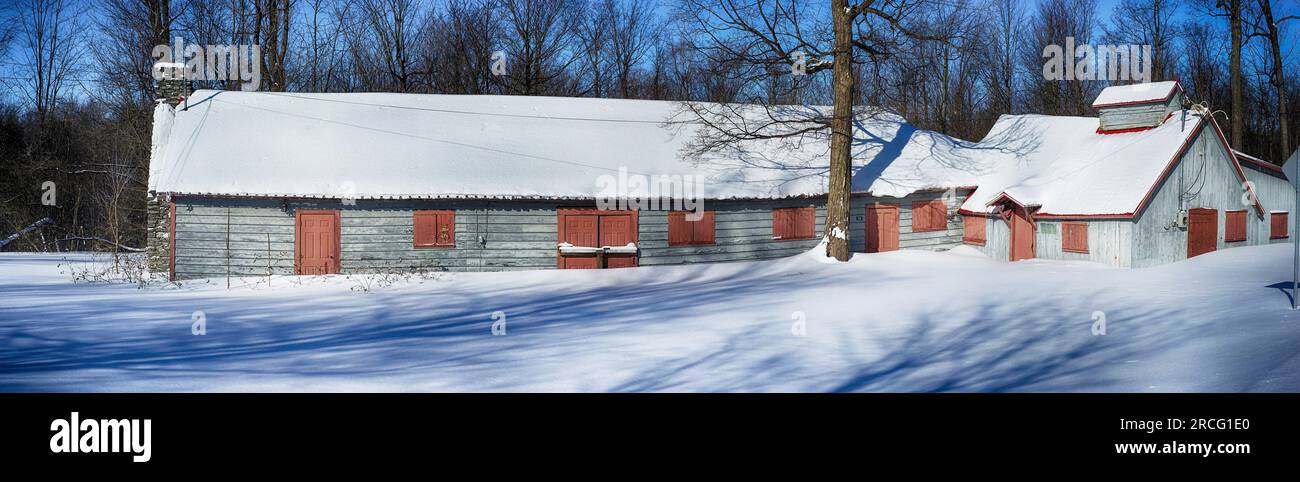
(254,183)
(1146,183)
(247,183)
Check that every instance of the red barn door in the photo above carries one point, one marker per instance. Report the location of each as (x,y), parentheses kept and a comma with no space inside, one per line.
(579,230)
(316,242)
(882,228)
(1202,231)
(596,228)
(1022,235)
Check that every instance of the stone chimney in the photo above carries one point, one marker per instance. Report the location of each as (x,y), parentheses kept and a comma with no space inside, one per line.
(170,85)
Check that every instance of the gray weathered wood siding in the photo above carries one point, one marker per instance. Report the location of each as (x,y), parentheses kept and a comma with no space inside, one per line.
(997,239)
(1139,115)
(1276,194)
(742,232)
(1109,242)
(375,236)
(907,239)
(1203,178)
(255,237)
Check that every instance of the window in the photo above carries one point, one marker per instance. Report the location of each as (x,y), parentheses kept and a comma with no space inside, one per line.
(1235,226)
(794,223)
(435,229)
(684,232)
(973,230)
(1074,237)
(1277,226)
(929,216)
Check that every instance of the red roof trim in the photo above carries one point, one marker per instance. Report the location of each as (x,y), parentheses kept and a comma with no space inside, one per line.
(1256,161)
(1125,131)
(1178,87)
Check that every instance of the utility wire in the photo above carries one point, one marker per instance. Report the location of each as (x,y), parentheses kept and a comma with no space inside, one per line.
(415,136)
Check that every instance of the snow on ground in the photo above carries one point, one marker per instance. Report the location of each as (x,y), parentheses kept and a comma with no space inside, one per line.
(901,321)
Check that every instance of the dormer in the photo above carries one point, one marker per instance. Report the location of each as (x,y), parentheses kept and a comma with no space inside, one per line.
(1137,106)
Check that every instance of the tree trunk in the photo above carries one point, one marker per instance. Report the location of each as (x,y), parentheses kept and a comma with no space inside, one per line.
(1238,109)
(837,203)
(1279,80)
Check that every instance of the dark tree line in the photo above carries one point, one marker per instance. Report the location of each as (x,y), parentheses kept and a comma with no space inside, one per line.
(77,94)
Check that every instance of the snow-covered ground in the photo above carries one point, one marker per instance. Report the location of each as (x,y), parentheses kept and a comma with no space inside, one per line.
(901,321)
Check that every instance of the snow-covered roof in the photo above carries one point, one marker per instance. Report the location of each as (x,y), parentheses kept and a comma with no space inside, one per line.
(1135,94)
(375,145)
(1064,167)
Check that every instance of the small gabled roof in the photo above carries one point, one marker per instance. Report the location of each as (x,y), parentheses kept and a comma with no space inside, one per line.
(1120,95)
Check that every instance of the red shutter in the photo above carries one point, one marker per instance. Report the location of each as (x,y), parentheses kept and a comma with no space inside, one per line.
(794,223)
(679,232)
(435,229)
(1234,226)
(1277,226)
(1074,237)
(683,231)
(929,215)
(806,224)
(973,230)
(781,224)
(703,230)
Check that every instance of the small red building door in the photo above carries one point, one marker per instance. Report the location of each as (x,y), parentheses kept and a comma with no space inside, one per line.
(1202,231)
(882,228)
(316,242)
(1022,235)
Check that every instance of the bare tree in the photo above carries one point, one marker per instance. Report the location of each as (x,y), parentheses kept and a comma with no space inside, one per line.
(458,50)
(633,33)
(1268,26)
(49,51)
(1006,32)
(539,38)
(783,37)
(1147,22)
(1053,24)
(318,47)
(381,39)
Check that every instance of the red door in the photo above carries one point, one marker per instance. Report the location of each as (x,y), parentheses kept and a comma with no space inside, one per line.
(596,228)
(882,228)
(618,230)
(1022,236)
(580,230)
(1202,231)
(317,242)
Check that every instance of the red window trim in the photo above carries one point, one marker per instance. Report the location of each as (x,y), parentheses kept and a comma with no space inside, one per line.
(807,213)
(1272,233)
(980,241)
(1067,247)
(1228,225)
(436,214)
(929,205)
(709,217)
